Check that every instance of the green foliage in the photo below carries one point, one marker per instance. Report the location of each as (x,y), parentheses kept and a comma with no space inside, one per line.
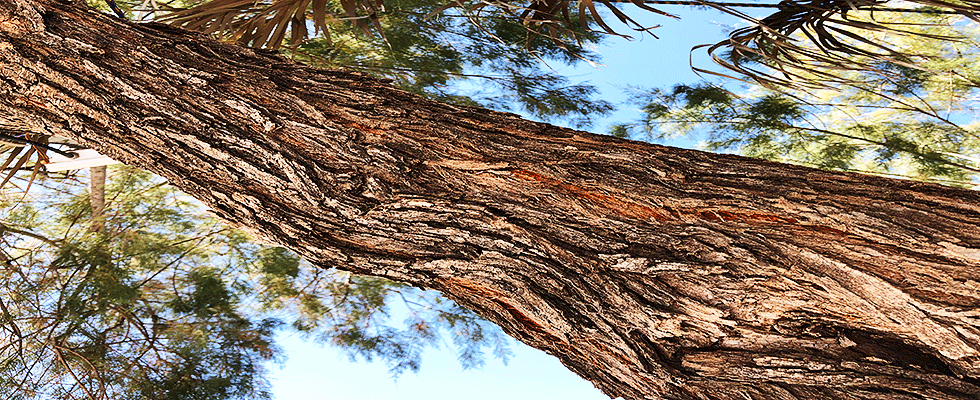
(168,303)
(471,57)
(132,313)
(484,60)
(911,117)
(363,333)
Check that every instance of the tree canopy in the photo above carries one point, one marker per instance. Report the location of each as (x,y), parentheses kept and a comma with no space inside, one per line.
(909,118)
(414,43)
(803,43)
(166,302)
(108,270)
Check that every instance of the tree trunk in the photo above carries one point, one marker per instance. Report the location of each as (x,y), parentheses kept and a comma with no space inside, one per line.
(96,190)
(654,272)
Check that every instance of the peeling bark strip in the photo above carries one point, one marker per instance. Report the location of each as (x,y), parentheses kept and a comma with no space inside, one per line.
(654,272)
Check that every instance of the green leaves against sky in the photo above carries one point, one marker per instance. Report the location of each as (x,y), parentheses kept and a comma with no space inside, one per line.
(912,116)
(168,303)
(461,56)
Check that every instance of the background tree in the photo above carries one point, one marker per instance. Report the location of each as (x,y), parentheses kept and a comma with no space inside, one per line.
(166,302)
(911,117)
(415,43)
(805,42)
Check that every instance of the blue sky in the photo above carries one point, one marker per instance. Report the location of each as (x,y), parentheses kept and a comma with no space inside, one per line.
(317,372)
(646,62)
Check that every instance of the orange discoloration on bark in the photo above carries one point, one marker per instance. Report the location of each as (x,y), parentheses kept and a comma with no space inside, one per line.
(357,126)
(639,211)
(478,290)
(621,207)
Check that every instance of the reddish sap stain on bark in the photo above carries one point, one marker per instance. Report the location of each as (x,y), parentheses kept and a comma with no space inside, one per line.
(618,206)
(482,291)
(639,211)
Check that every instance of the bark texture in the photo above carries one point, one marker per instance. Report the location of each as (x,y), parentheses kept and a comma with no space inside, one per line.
(654,272)
(96,190)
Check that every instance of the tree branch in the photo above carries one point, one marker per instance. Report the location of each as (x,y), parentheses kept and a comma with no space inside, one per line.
(654,272)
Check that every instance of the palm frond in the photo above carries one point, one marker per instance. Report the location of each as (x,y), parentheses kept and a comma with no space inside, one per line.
(266,23)
(809,43)
(805,43)
(22,147)
(18,165)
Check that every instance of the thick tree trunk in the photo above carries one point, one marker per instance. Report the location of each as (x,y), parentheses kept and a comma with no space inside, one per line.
(654,272)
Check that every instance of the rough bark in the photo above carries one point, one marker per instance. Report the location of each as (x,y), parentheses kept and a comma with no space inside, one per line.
(654,272)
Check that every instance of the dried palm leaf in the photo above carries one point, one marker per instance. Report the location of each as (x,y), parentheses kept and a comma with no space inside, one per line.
(265,23)
(262,23)
(18,165)
(14,152)
(805,43)
(15,142)
(553,15)
(809,43)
